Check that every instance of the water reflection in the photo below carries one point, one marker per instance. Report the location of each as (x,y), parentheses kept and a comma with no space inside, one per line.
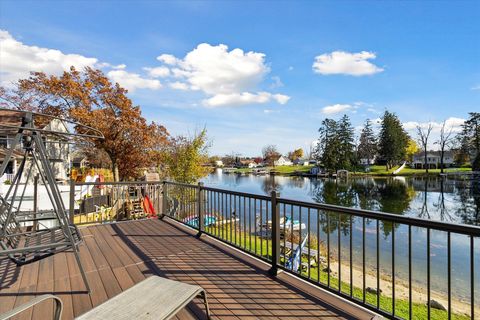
(436,198)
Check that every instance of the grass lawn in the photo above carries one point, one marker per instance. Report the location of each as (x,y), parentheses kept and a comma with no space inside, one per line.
(263,247)
(282,170)
(291,169)
(381,171)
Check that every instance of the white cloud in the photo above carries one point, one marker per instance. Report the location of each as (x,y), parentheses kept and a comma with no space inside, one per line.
(158,72)
(133,81)
(454,123)
(168,59)
(477,87)
(277,83)
(336,108)
(239,99)
(178,85)
(341,62)
(228,78)
(18,59)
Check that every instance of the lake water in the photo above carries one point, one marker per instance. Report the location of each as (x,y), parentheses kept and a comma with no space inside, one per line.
(452,200)
(448,200)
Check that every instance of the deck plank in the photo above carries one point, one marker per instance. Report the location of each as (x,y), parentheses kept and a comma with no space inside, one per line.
(117,256)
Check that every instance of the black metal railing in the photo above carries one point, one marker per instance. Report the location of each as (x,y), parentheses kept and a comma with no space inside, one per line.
(400,267)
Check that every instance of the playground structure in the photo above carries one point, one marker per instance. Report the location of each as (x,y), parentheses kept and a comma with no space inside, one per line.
(28,234)
(99,202)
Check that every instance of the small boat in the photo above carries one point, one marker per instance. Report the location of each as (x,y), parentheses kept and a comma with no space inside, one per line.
(208,220)
(259,171)
(286,224)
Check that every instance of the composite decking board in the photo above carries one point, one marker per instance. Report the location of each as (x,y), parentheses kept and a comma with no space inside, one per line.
(112,252)
(110,284)
(61,284)
(97,294)
(118,255)
(81,301)
(27,288)
(11,277)
(45,284)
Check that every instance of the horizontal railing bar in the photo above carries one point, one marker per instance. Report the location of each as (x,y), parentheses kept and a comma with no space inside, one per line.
(236,193)
(118,183)
(415,222)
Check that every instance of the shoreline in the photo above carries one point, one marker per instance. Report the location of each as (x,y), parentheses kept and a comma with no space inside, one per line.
(305,173)
(419,295)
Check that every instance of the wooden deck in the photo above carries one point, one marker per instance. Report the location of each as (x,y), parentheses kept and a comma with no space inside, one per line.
(117,256)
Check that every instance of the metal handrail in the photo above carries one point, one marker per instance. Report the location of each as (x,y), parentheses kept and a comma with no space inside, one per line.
(197,205)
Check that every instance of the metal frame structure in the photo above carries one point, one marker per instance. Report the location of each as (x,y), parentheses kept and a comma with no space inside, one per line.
(24,237)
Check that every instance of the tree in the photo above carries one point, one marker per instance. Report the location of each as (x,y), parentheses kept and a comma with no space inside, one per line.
(270,154)
(423,135)
(411,149)
(328,145)
(470,138)
(392,140)
(185,158)
(296,154)
(444,141)
(346,140)
(367,148)
(88,97)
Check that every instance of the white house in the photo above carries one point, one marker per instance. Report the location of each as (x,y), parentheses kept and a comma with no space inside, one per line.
(282,161)
(219,163)
(301,162)
(433,160)
(58,153)
(368,162)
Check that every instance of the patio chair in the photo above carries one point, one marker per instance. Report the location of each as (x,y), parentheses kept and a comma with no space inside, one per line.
(153,298)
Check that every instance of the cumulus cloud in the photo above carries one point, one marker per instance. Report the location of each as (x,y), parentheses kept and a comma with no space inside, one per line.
(177,85)
(228,78)
(167,59)
(18,59)
(158,72)
(239,99)
(341,62)
(336,108)
(133,81)
(454,123)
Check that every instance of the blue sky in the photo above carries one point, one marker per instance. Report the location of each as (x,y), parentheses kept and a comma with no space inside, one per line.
(298,62)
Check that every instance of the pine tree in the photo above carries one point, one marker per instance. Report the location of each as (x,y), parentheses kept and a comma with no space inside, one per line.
(392,140)
(470,138)
(367,148)
(328,145)
(345,137)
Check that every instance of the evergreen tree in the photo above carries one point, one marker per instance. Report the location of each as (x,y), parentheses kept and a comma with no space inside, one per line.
(367,148)
(345,135)
(328,145)
(470,138)
(392,140)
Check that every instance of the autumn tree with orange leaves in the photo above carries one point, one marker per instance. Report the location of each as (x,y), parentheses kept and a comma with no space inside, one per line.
(90,98)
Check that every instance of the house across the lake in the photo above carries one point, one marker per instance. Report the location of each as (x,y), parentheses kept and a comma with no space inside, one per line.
(433,160)
(282,161)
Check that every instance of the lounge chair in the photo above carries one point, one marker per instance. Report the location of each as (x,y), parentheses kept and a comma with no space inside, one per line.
(153,298)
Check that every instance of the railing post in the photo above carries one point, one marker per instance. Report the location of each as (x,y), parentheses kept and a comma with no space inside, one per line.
(35,201)
(72,201)
(200,212)
(164,199)
(275,233)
